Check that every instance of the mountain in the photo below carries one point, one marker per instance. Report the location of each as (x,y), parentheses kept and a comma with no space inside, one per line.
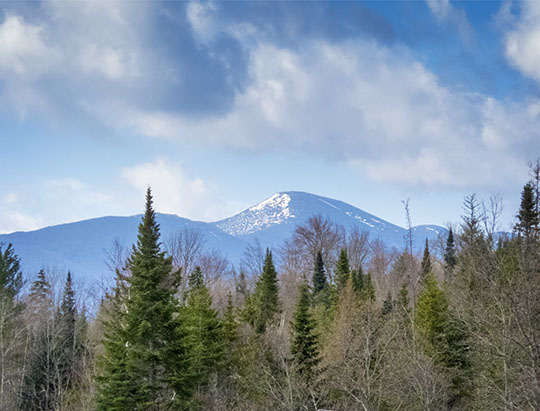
(81,246)
(274,219)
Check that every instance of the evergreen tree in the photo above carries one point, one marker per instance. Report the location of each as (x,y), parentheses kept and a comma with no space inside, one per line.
(10,272)
(196,278)
(241,284)
(527,216)
(203,335)
(67,319)
(114,389)
(358,280)
(343,270)
(142,364)
(40,298)
(388,304)
(230,325)
(426,264)
(320,282)
(368,291)
(403,298)
(445,341)
(38,388)
(450,252)
(304,345)
(471,231)
(265,299)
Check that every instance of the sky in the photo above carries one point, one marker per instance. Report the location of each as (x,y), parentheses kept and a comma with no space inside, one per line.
(219,105)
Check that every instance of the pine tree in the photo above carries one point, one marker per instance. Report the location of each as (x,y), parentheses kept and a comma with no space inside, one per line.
(37,392)
(450,252)
(304,345)
(10,272)
(527,216)
(444,339)
(426,264)
(142,368)
(230,325)
(40,297)
(388,304)
(358,280)
(114,390)
(203,334)
(343,270)
(67,319)
(265,299)
(368,291)
(403,298)
(196,278)
(471,231)
(320,282)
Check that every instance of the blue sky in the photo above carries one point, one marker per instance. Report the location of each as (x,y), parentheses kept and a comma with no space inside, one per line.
(218,105)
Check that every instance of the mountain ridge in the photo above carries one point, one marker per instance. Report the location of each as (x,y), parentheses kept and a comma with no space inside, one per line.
(81,246)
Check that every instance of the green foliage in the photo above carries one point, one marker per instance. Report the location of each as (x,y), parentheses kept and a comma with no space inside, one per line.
(388,304)
(471,231)
(141,364)
(527,216)
(444,337)
(358,280)
(368,291)
(426,264)
(304,344)
(403,297)
(230,325)
(67,319)
(196,278)
(264,304)
(450,252)
(320,282)
(10,272)
(203,336)
(343,270)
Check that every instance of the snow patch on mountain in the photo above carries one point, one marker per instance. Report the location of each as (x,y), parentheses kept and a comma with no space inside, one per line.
(272,211)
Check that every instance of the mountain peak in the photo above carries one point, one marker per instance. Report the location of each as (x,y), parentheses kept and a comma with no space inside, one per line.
(274,210)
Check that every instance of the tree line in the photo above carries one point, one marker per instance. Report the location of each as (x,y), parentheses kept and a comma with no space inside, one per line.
(330,321)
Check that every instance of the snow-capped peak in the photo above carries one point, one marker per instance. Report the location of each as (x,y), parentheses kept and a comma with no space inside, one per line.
(272,211)
(277,201)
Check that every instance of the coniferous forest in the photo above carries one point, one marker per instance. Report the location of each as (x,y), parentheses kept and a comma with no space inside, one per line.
(331,320)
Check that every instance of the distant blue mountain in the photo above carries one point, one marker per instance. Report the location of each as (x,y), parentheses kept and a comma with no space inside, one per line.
(81,246)
(274,219)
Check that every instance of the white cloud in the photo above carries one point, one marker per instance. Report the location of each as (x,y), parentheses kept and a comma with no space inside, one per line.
(446,13)
(522,42)
(374,108)
(201,17)
(57,201)
(175,192)
(22,49)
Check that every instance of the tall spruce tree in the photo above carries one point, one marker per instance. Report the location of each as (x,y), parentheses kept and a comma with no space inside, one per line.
(195,279)
(343,270)
(38,387)
(450,252)
(10,272)
(527,216)
(203,334)
(265,299)
(320,282)
(304,345)
(141,361)
(426,264)
(358,280)
(67,319)
(444,337)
